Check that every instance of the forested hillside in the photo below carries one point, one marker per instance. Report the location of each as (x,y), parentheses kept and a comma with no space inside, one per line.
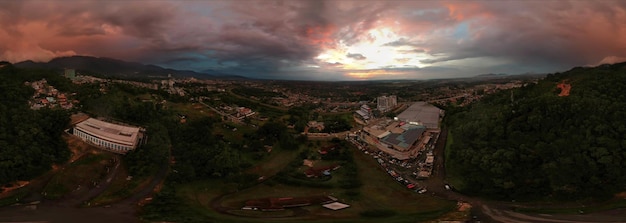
(30,141)
(531,142)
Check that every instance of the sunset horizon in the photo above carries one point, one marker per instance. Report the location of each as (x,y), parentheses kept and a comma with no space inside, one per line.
(323,40)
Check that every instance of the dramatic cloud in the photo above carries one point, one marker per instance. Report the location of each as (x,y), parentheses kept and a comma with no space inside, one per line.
(331,40)
(356,56)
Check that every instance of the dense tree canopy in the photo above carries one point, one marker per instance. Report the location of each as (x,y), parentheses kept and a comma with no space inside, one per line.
(200,154)
(532,142)
(30,141)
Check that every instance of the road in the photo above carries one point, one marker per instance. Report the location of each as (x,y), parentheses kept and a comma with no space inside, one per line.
(67,211)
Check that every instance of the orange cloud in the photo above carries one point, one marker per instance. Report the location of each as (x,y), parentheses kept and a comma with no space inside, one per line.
(370,74)
(321,35)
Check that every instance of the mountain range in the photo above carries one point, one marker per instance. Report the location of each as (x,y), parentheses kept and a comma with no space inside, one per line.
(109,67)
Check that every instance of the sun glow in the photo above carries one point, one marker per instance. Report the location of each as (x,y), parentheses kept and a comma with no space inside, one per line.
(368,74)
(374,51)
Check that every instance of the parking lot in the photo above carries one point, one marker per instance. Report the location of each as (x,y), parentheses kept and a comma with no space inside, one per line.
(407,171)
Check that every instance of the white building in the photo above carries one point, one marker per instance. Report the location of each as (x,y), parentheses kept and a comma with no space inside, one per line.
(109,136)
(386,103)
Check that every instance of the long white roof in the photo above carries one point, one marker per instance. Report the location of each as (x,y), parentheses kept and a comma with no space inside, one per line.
(121,134)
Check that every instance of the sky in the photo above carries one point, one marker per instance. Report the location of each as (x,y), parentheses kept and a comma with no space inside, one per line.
(323,40)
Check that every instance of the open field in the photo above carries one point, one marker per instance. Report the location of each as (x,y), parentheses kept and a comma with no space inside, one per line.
(378,191)
(614,204)
(120,188)
(272,164)
(83,173)
(192,110)
(451,176)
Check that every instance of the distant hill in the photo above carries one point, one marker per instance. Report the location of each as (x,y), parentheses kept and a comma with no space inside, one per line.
(117,68)
(539,141)
(506,76)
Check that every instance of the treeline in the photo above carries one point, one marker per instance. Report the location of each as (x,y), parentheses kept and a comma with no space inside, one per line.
(30,141)
(529,142)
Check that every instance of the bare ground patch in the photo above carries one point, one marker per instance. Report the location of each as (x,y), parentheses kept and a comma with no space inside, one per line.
(565,88)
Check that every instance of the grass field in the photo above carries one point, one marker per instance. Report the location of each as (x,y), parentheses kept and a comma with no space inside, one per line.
(15,196)
(82,173)
(605,206)
(451,176)
(120,188)
(193,110)
(378,192)
(272,164)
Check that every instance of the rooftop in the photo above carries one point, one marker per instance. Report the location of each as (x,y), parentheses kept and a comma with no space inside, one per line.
(422,113)
(405,139)
(111,132)
(336,206)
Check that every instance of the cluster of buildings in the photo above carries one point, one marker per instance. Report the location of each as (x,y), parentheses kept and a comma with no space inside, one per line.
(168,85)
(89,79)
(467,95)
(383,104)
(114,137)
(234,113)
(408,134)
(243,112)
(403,145)
(46,96)
(315,126)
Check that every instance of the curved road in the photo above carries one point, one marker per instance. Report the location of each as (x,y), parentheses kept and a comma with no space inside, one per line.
(67,210)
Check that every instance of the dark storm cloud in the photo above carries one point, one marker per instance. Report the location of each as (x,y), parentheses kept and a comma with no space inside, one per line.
(401,42)
(279,37)
(578,33)
(356,56)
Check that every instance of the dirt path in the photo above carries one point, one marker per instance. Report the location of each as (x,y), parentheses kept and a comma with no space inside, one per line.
(78,197)
(67,210)
(565,88)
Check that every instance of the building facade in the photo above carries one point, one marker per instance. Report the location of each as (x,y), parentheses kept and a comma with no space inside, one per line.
(113,137)
(386,103)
